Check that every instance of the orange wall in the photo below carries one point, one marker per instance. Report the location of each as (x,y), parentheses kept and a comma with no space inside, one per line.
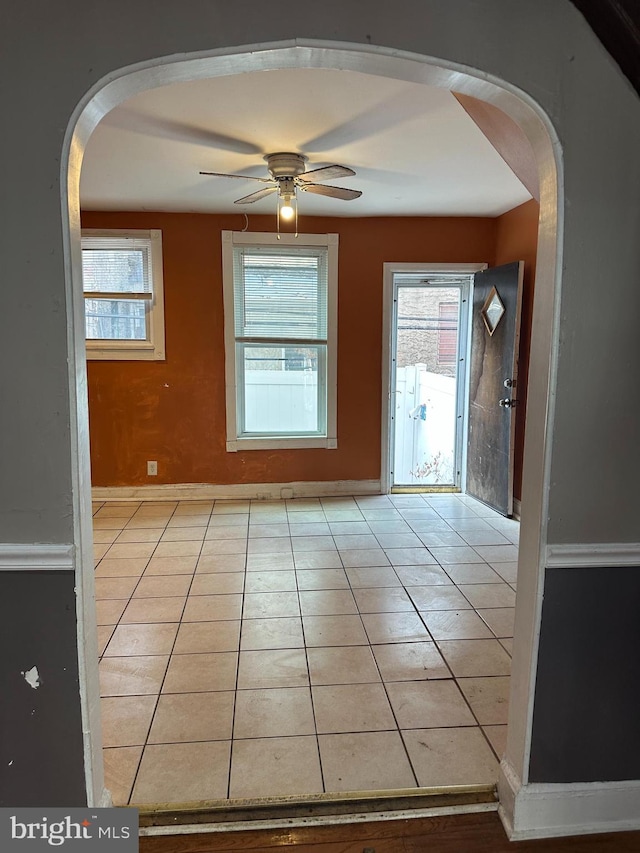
(517,240)
(174,411)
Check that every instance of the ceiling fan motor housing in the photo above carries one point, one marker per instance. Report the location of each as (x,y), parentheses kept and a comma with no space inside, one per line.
(288,174)
(285,165)
(286,187)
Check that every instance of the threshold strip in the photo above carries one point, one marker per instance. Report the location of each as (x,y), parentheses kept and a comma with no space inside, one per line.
(425,490)
(273,812)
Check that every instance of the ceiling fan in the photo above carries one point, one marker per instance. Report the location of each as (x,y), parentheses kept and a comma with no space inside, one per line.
(288,174)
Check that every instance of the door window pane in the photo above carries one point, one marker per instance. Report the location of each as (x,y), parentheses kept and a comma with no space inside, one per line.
(426,385)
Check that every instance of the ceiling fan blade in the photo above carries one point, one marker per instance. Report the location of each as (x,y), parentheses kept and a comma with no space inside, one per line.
(249,199)
(332,192)
(126,118)
(391,111)
(244,177)
(326,173)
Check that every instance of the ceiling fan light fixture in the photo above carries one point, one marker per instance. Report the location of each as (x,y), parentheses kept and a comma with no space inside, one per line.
(287,201)
(287,210)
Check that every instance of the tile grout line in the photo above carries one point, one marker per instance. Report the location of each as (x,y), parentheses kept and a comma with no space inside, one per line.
(155,707)
(462,693)
(113,632)
(240,632)
(382,681)
(306,657)
(157,702)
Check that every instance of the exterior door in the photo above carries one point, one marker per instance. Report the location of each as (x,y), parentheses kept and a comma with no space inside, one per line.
(493,389)
(428,380)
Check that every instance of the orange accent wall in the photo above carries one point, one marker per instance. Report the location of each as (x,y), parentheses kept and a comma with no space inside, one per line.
(173,411)
(517,240)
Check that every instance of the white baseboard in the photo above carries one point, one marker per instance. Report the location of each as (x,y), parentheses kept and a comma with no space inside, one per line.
(36,557)
(541,810)
(237,491)
(517,509)
(593,555)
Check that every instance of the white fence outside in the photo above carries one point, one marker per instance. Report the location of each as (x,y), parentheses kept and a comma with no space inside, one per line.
(425,417)
(425,427)
(281,401)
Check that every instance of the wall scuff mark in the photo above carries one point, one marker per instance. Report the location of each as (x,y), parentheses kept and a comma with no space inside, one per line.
(32,677)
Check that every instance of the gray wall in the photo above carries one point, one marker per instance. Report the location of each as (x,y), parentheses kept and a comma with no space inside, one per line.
(41,752)
(52,54)
(587,705)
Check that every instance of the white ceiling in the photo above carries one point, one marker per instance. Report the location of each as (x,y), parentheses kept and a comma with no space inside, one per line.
(414,149)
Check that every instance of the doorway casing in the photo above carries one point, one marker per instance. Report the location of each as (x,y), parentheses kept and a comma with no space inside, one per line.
(384,62)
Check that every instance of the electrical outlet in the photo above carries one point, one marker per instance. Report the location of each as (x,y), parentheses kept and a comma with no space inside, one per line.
(152,469)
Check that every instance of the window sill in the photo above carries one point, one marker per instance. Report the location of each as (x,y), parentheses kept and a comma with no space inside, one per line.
(124,353)
(275,443)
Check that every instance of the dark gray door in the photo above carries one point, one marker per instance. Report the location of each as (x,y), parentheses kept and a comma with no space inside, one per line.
(493,389)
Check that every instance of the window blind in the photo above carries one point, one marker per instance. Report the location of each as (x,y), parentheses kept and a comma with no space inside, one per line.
(116,265)
(280,293)
(447,332)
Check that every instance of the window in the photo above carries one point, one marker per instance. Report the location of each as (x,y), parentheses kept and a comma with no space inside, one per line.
(122,280)
(447,332)
(280,303)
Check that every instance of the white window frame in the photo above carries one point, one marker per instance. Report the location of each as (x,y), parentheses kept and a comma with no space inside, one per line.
(152,349)
(328,440)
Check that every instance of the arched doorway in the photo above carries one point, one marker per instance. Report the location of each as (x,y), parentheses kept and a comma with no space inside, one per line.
(383,63)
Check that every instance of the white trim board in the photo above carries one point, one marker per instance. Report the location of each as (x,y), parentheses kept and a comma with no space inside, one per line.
(593,555)
(545,810)
(236,491)
(36,557)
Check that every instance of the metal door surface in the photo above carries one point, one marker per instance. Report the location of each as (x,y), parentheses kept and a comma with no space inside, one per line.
(493,389)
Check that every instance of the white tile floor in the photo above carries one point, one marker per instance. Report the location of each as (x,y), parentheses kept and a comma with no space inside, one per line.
(257,649)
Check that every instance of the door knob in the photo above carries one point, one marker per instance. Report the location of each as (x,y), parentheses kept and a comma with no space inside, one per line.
(509,383)
(507,403)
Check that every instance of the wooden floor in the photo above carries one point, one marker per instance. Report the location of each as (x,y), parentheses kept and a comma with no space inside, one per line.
(469,833)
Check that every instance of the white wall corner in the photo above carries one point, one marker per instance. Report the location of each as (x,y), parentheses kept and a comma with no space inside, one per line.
(546,810)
